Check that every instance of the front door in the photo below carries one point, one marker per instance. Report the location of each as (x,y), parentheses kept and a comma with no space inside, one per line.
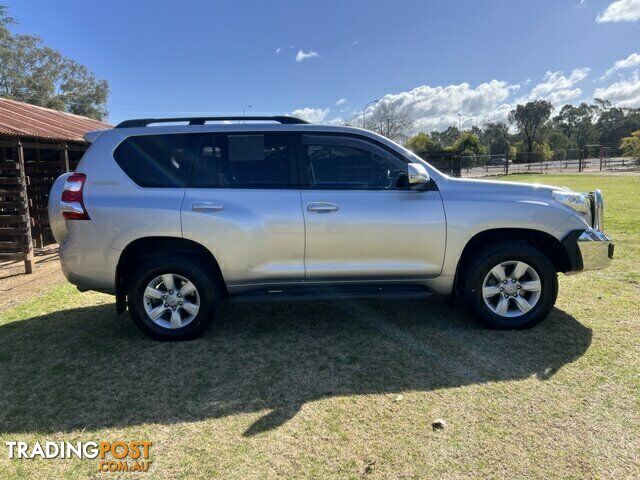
(362,221)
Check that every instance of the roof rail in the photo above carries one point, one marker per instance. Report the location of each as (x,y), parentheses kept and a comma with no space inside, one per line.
(143,122)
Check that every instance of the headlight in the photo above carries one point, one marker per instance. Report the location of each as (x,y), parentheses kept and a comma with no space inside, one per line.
(576,201)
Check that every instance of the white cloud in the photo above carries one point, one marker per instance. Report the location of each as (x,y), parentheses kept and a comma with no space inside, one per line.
(631,61)
(338,121)
(562,97)
(621,11)
(436,108)
(313,115)
(355,42)
(625,93)
(300,56)
(278,50)
(557,88)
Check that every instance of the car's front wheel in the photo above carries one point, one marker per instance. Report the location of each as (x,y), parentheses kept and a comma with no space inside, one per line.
(172,299)
(511,285)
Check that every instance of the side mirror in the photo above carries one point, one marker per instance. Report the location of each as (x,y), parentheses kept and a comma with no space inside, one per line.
(417,174)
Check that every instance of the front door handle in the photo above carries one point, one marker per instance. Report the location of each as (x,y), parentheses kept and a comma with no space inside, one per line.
(206,207)
(322,207)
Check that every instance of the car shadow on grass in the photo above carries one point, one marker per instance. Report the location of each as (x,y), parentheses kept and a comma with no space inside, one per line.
(85,368)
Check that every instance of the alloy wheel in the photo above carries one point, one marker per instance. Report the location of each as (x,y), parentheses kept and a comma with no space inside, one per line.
(511,288)
(171,301)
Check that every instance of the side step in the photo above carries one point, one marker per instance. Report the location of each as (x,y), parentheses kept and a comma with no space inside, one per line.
(320,293)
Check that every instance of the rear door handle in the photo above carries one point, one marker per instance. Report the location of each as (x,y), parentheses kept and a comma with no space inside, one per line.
(206,207)
(322,207)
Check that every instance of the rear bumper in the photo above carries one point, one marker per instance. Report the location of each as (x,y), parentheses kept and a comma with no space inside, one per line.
(86,260)
(588,250)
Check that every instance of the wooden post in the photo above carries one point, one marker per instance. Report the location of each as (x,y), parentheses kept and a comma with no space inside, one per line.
(506,162)
(541,163)
(37,239)
(28,251)
(64,157)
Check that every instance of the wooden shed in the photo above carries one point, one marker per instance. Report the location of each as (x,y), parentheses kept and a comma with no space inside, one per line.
(36,145)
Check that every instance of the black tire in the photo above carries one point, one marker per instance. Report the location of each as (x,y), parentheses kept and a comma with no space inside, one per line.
(492,255)
(188,267)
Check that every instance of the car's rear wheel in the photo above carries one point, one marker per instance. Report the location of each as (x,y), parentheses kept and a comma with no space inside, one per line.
(511,285)
(172,299)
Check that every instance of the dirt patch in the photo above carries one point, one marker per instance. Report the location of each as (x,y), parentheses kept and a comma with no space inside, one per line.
(16,286)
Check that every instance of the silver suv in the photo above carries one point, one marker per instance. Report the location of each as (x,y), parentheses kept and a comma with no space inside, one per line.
(172,219)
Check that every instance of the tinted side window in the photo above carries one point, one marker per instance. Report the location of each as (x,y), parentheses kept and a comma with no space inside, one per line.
(246,161)
(351,167)
(160,161)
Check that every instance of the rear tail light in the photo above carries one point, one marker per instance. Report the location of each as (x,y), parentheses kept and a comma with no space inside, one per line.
(72,203)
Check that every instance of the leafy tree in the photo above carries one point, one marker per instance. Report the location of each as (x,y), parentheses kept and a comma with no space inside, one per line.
(445,138)
(477,131)
(541,152)
(631,145)
(495,136)
(421,144)
(529,118)
(468,143)
(617,123)
(33,73)
(557,140)
(5,21)
(577,123)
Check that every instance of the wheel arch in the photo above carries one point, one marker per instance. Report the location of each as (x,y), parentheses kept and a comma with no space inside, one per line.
(142,249)
(546,243)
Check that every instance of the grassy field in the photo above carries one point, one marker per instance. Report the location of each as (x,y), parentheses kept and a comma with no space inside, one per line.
(343,390)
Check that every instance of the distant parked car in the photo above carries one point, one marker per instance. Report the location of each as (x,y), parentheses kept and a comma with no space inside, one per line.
(498,161)
(172,219)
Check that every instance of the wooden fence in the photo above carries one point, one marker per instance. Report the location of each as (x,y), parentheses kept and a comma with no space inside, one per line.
(28,169)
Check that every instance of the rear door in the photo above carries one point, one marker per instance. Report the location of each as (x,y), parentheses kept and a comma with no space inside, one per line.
(243,204)
(362,220)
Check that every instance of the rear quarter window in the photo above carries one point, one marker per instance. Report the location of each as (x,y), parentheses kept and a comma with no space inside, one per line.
(157,161)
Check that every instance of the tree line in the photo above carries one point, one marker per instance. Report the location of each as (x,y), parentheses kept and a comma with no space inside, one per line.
(534,131)
(33,73)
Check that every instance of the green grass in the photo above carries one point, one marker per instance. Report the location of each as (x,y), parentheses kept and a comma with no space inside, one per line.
(343,390)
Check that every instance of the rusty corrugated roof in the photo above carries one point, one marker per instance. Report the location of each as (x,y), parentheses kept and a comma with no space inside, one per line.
(23,119)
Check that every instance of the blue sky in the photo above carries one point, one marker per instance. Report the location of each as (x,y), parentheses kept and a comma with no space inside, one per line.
(440,58)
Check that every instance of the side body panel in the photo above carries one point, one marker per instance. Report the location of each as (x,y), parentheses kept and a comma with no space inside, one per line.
(474,206)
(374,234)
(121,210)
(255,235)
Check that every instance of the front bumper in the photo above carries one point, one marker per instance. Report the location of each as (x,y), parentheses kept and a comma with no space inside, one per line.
(596,249)
(588,249)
